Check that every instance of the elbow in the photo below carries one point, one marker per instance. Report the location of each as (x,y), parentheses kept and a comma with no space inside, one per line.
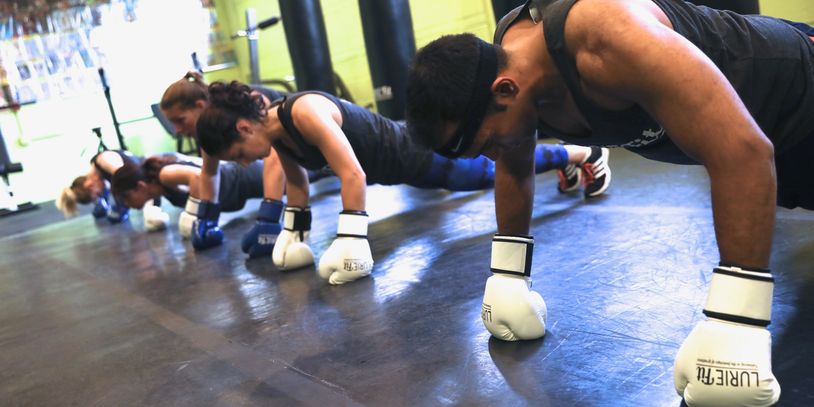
(760,149)
(753,155)
(761,153)
(360,178)
(355,178)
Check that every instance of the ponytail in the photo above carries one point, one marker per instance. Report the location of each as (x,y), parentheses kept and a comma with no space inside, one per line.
(185,92)
(66,202)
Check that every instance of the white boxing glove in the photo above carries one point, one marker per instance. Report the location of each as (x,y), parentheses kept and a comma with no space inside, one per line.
(349,257)
(154,218)
(291,250)
(188,217)
(727,359)
(511,311)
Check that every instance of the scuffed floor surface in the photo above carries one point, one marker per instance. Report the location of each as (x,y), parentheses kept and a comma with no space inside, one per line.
(99,315)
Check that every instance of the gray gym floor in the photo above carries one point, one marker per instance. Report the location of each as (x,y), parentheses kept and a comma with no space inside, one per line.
(98,314)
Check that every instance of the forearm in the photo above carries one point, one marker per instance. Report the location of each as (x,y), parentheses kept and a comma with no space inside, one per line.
(195,187)
(743,203)
(353,192)
(296,195)
(514,195)
(273,177)
(209,180)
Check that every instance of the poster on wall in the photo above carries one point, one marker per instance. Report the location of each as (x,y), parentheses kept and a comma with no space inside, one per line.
(221,53)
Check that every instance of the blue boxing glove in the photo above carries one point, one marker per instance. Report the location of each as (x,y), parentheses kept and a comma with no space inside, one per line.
(259,241)
(205,230)
(101,207)
(118,213)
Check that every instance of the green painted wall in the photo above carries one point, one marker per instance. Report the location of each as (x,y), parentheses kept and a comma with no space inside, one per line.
(796,10)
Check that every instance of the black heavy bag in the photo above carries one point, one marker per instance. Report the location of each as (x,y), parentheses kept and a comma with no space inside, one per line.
(390,46)
(308,45)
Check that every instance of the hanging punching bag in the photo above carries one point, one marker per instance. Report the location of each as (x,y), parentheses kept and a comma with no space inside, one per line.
(308,45)
(739,6)
(390,46)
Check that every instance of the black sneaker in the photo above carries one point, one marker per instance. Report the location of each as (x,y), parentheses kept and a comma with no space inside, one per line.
(596,172)
(570,178)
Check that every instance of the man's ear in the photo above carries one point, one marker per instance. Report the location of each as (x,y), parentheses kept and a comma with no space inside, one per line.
(504,87)
(200,104)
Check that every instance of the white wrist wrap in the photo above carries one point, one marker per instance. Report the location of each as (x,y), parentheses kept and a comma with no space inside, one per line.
(741,296)
(512,254)
(352,225)
(192,206)
(288,218)
(290,221)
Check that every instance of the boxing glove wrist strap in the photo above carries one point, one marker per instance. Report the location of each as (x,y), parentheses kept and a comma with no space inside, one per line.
(297,219)
(741,296)
(352,224)
(208,210)
(511,254)
(192,206)
(270,210)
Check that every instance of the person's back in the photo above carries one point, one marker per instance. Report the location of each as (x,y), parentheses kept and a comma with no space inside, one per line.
(384,150)
(766,60)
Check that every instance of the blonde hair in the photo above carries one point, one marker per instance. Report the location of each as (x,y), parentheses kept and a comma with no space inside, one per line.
(73,195)
(66,202)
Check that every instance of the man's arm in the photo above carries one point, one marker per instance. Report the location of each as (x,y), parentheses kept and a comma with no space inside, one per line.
(514,188)
(636,57)
(209,182)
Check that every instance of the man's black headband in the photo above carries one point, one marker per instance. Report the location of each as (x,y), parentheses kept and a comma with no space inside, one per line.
(478,103)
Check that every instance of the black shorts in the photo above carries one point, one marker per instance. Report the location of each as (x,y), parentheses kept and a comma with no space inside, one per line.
(237,184)
(795,169)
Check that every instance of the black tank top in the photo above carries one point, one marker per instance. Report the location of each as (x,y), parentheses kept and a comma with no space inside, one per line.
(767,61)
(126,156)
(271,94)
(383,147)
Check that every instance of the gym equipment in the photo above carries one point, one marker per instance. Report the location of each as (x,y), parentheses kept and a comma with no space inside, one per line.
(7,204)
(116,123)
(308,45)
(193,147)
(196,63)
(388,30)
(251,34)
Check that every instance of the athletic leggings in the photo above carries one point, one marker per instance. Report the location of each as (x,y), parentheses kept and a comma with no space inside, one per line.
(474,174)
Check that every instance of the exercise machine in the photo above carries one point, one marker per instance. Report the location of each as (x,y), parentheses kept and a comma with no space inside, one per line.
(7,204)
(116,124)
